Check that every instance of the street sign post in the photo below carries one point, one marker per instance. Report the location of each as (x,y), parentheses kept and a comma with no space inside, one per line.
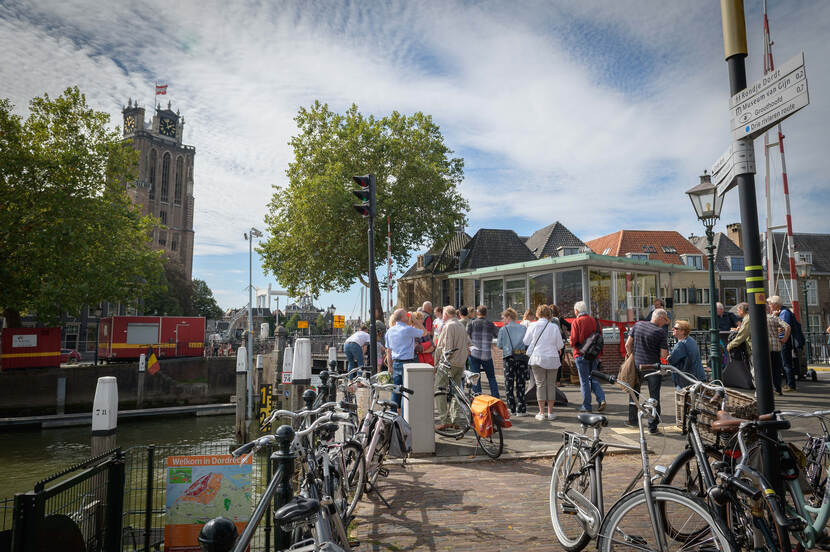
(739,158)
(770,100)
(339,321)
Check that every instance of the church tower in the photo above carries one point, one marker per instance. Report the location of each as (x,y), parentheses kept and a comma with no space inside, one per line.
(164,187)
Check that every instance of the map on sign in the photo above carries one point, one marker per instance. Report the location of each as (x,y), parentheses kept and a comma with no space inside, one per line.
(200,488)
(768,101)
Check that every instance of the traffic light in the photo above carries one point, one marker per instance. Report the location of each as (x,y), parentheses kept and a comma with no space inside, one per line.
(366,194)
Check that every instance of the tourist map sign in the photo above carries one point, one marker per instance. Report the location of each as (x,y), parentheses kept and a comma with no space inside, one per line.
(773,98)
(200,488)
(739,158)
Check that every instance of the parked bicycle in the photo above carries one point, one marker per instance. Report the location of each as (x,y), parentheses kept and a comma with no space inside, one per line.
(456,401)
(641,519)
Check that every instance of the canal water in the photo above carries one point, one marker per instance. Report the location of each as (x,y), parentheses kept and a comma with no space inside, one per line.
(29,456)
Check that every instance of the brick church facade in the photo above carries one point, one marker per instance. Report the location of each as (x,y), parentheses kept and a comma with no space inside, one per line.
(164,185)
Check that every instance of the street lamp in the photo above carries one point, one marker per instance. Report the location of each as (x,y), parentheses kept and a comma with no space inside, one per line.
(707,204)
(252,233)
(804,269)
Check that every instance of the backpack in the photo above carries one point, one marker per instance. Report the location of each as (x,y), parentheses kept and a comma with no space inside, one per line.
(796,334)
(592,346)
(400,444)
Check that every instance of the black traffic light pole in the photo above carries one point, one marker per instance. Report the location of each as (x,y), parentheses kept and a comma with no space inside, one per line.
(735,50)
(369,209)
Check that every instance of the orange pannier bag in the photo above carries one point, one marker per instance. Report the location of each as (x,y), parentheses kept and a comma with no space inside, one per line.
(483,408)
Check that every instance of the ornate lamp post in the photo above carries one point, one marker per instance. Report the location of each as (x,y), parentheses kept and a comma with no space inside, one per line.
(707,204)
(804,269)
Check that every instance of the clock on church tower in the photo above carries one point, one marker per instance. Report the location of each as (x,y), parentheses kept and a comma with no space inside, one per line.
(133,118)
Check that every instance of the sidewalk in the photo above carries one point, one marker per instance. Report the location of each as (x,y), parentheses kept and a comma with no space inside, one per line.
(461,501)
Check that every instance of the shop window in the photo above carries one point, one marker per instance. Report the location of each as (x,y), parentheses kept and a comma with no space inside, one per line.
(541,290)
(599,283)
(514,295)
(494,298)
(568,289)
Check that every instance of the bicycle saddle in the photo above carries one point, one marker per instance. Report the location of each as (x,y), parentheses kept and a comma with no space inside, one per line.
(726,423)
(472,377)
(592,420)
(298,508)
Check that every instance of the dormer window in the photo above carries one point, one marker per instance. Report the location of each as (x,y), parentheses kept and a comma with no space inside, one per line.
(565,251)
(804,257)
(669,249)
(420,261)
(606,251)
(736,264)
(693,261)
(649,249)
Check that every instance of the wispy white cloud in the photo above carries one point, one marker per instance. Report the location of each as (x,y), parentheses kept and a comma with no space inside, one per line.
(594,113)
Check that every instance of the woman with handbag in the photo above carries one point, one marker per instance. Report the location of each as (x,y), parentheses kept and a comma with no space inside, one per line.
(545,342)
(514,360)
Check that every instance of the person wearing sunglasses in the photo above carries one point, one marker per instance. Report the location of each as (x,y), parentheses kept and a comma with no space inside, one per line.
(685,354)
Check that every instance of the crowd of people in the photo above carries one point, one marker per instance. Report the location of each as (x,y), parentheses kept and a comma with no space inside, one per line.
(533,349)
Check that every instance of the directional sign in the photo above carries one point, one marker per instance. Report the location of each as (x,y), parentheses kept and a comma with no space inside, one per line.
(339,321)
(770,100)
(302,323)
(739,158)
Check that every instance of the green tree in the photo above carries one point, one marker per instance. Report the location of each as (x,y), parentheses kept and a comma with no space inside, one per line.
(69,234)
(317,241)
(291,326)
(320,325)
(204,304)
(174,296)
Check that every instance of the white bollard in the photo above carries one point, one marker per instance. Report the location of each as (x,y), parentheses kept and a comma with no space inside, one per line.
(418,409)
(264,329)
(332,356)
(301,366)
(104,415)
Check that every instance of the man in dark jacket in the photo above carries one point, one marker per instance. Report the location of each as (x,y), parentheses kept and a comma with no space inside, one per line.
(648,342)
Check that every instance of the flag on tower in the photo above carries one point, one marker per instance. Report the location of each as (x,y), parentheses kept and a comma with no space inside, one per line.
(161,89)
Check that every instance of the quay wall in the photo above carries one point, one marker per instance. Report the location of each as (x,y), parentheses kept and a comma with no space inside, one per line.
(180,381)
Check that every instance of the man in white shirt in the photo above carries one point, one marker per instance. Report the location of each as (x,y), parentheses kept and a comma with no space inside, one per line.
(400,346)
(355,348)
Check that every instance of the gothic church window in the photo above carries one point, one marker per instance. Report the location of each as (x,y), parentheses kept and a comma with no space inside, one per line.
(165,177)
(151,174)
(177,190)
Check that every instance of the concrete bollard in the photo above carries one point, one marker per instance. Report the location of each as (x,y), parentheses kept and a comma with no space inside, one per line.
(104,415)
(332,357)
(241,395)
(418,409)
(301,366)
(139,394)
(60,406)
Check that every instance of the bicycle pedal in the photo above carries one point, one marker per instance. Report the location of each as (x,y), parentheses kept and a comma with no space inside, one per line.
(383,472)
(568,509)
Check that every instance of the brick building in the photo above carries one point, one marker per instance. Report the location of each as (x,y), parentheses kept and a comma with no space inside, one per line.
(164,185)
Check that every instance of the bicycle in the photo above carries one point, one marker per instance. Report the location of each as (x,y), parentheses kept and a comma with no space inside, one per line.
(639,518)
(458,402)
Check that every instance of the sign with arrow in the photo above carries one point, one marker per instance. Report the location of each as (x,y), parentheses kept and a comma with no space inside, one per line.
(739,158)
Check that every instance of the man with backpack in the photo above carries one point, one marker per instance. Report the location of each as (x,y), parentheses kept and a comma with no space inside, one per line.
(586,342)
(788,347)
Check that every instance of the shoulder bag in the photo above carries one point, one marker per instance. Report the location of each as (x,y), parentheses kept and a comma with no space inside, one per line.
(519,355)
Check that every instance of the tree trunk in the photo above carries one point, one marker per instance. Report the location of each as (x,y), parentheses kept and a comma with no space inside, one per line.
(12,317)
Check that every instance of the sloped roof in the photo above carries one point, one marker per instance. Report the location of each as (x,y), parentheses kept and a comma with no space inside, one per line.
(817,244)
(490,247)
(546,241)
(724,247)
(440,258)
(651,242)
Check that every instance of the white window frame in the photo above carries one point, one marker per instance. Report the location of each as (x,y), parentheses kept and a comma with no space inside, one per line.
(686,257)
(681,296)
(637,256)
(811,286)
(729,260)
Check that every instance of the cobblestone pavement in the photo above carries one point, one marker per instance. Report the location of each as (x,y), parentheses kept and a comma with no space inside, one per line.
(488,505)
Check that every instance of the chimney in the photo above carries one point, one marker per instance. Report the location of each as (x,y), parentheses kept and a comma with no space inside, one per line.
(733,232)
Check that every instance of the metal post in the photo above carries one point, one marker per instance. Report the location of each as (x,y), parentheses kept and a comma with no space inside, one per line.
(148,498)
(284,459)
(806,327)
(714,334)
(735,50)
(250,323)
(373,333)
(115,501)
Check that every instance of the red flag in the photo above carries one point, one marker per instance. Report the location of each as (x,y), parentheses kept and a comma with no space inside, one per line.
(161,89)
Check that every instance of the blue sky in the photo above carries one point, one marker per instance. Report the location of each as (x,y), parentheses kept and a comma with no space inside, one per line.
(596,114)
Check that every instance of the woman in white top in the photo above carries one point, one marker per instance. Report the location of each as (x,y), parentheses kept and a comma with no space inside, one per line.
(544,341)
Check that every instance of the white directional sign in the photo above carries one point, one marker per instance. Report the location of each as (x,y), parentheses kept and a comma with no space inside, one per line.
(768,101)
(739,158)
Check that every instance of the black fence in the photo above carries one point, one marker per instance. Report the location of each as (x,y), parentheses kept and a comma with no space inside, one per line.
(113,502)
(76,509)
(144,514)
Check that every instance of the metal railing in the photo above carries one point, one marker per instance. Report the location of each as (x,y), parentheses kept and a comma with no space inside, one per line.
(819,352)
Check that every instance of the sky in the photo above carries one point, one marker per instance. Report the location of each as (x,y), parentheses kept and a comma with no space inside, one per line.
(597,114)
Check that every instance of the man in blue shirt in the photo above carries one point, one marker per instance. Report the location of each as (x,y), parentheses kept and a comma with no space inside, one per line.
(400,346)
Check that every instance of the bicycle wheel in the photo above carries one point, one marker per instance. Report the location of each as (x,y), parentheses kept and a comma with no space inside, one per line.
(568,528)
(376,465)
(628,524)
(492,445)
(463,417)
(354,480)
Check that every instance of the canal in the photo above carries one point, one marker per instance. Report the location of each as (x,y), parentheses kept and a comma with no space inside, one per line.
(28,456)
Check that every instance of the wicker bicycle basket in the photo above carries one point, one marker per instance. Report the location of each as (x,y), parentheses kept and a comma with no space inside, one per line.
(740,405)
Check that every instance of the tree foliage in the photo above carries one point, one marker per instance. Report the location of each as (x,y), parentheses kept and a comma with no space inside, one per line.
(69,234)
(204,304)
(180,297)
(317,242)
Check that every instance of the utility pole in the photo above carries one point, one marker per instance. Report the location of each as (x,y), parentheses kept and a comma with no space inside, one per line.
(368,210)
(735,50)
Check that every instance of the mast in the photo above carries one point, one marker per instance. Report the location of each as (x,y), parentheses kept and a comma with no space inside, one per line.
(772,272)
(389,263)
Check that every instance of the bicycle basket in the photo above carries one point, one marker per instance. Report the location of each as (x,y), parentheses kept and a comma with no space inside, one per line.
(740,405)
